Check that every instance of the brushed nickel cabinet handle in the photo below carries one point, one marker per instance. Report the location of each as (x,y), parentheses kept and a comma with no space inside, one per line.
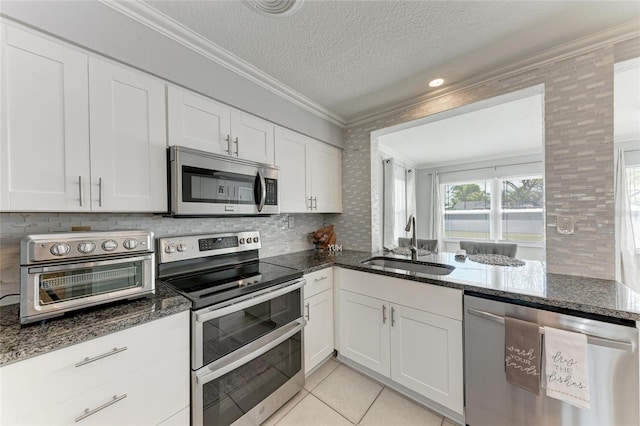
(308,314)
(88,360)
(88,412)
(315,203)
(237,146)
(80,189)
(228,140)
(320,279)
(310,203)
(100,192)
(393,321)
(384,314)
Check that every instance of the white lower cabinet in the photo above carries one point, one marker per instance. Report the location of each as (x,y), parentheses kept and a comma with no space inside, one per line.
(138,376)
(364,331)
(407,331)
(318,311)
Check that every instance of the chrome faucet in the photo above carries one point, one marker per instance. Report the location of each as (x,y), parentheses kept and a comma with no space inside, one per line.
(414,241)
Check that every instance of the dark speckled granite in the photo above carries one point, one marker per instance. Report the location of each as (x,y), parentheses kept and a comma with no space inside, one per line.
(20,342)
(528,283)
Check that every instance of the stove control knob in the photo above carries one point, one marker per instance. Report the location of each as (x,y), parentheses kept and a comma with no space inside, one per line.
(130,244)
(241,241)
(60,249)
(86,247)
(182,247)
(109,245)
(169,249)
(255,239)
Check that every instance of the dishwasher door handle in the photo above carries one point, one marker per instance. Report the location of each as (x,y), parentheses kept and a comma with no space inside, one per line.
(593,340)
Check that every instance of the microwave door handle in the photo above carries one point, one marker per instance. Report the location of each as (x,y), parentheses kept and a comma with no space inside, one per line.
(263,191)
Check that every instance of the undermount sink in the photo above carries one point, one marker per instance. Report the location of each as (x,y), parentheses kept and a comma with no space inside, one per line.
(410,265)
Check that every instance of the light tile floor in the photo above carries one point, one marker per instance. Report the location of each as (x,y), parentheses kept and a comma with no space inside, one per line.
(336,395)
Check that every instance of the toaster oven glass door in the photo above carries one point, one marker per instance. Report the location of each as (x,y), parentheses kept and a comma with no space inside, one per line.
(58,284)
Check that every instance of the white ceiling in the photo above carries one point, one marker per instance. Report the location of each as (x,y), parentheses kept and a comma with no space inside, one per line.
(487,130)
(356,58)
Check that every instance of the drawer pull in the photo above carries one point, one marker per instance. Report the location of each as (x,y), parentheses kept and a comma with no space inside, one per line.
(88,412)
(306,305)
(88,360)
(320,279)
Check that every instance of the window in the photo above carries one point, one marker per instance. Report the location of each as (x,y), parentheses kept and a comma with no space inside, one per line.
(499,209)
(633,185)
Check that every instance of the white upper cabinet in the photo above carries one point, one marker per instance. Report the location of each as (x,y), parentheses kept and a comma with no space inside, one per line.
(251,138)
(198,122)
(310,176)
(44,156)
(78,133)
(293,180)
(128,139)
(201,123)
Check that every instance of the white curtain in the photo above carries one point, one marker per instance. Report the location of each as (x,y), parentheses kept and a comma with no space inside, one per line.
(389,201)
(399,200)
(411,192)
(627,252)
(436,223)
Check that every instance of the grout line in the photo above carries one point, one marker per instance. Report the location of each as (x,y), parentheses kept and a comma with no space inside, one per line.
(334,410)
(371,405)
(325,377)
(292,407)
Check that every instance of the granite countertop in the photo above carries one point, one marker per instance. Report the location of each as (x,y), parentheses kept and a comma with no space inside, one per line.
(20,342)
(529,283)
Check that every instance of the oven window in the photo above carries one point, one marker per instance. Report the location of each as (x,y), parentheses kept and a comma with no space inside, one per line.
(215,186)
(229,397)
(225,334)
(56,287)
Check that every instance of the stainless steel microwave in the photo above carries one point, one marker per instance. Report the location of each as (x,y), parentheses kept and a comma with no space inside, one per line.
(206,184)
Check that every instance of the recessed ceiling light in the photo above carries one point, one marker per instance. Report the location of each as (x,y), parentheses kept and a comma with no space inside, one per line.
(435,83)
(274,8)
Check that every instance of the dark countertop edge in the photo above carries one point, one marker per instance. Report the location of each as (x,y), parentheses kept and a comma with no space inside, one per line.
(29,348)
(580,307)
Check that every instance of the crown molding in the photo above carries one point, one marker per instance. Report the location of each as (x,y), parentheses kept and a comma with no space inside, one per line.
(567,50)
(177,32)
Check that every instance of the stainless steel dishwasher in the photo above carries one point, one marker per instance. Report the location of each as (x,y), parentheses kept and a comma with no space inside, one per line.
(491,401)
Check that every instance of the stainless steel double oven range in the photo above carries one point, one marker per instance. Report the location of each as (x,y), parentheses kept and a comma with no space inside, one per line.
(246,326)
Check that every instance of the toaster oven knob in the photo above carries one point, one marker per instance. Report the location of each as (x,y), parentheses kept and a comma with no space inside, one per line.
(169,249)
(109,245)
(241,241)
(60,249)
(255,239)
(130,244)
(182,247)
(86,247)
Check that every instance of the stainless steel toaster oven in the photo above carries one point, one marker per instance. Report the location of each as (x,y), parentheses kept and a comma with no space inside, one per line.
(67,271)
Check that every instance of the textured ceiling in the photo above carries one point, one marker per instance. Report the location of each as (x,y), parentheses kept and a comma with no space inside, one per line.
(358,57)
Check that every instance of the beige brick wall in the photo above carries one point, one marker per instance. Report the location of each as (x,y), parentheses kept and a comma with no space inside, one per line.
(578,158)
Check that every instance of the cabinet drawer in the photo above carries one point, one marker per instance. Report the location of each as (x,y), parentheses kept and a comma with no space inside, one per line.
(153,393)
(425,297)
(318,281)
(57,376)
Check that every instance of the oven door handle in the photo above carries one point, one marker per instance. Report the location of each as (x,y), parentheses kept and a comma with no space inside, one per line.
(247,353)
(208,314)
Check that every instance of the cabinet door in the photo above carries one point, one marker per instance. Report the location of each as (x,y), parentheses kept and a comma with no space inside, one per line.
(426,355)
(364,331)
(197,122)
(318,333)
(326,180)
(294,185)
(251,138)
(44,157)
(128,139)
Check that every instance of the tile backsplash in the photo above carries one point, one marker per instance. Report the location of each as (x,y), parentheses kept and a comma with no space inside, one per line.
(277,237)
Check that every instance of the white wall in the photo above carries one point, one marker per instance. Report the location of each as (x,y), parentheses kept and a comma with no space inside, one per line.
(92,25)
